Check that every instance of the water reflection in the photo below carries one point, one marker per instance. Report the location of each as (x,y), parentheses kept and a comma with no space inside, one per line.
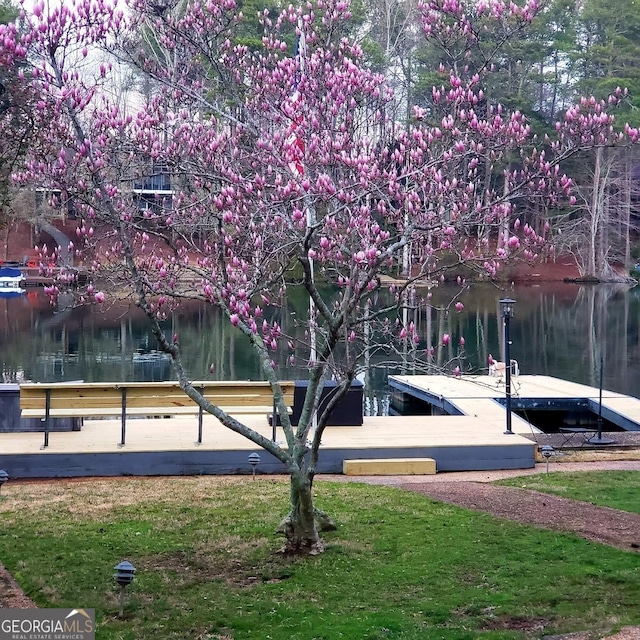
(560,330)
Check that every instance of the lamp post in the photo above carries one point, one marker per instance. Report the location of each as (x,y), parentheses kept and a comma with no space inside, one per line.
(124,574)
(506,306)
(599,438)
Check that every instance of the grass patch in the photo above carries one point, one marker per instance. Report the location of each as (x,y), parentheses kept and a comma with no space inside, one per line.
(400,566)
(615,489)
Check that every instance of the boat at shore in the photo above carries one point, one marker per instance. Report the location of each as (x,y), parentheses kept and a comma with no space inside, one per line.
(11,282)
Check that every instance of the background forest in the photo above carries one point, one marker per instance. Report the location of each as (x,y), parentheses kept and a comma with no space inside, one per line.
(572,48)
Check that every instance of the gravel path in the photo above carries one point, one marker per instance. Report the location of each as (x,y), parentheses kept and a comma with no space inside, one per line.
(491,476)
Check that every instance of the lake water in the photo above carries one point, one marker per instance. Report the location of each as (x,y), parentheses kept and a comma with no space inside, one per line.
(561,330)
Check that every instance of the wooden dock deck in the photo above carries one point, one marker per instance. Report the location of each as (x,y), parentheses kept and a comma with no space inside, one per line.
(485,395)
(168,447)
(472,438)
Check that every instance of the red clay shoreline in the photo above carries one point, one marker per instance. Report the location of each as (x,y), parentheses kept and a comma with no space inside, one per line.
(20,240)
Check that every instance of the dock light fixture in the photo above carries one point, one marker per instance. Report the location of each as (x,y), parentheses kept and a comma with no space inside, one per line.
(547,451)
(506,307)
(124,575)
(254,461)
(4,476)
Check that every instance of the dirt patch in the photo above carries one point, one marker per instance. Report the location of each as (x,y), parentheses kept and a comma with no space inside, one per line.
(553,270)
(11,595)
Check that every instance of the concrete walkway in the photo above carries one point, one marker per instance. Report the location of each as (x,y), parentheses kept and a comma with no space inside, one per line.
(491,476)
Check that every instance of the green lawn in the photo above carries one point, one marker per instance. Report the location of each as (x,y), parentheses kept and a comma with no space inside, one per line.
(616,489)
(400,566)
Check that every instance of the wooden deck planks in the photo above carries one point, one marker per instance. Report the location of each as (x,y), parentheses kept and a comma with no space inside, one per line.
(157,434)
(490,411)
(477,395)
(475,441)
(533,386)
(167,447)
(457,442)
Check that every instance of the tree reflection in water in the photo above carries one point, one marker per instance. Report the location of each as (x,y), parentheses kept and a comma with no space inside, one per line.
(559,329)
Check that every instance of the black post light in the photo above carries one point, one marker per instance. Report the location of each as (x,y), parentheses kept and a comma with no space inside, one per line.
(4,476)
(254,461)
(124,575)
(547,451)
(506,306)
(599,438)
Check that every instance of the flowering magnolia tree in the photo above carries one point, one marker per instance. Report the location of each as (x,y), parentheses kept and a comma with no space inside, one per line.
(286,170)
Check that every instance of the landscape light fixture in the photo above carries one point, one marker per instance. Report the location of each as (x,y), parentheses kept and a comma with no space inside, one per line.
(254,461)
(4,476)
(124,575)
(547,451)
(506,307)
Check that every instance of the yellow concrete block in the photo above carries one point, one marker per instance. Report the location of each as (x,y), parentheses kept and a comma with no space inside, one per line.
(389,467)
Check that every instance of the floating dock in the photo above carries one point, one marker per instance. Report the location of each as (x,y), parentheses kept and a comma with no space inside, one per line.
(484,396)
(168,447)
(465,432)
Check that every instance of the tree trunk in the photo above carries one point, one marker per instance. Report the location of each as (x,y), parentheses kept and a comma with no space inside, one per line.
(304,522)
(596,213)
(628,181)
(603,245)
